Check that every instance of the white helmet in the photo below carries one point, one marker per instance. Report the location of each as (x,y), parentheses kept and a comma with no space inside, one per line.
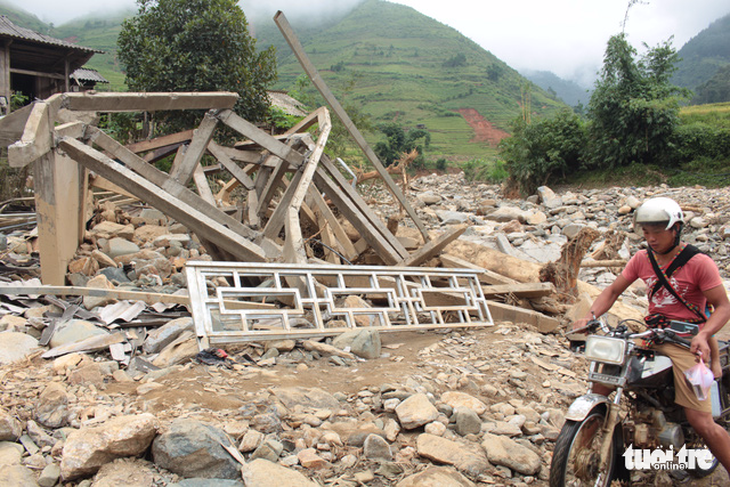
(659,210)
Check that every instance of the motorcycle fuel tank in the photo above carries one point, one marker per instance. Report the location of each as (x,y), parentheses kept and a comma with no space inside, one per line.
(652,372)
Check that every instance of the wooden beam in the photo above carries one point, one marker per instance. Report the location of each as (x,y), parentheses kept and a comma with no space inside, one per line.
(186,214)
(37,139)
(505,312)
(359,203)
(182,170)
(12,125)
(247,129)
(159,142)
(164,181)
(58,203)
(147,102)
(485,275)
(149,298)
(521,290)
(230,165)
(433,248)
(294,240)
(201,182)
(346,246)
(337,108)
(362,224)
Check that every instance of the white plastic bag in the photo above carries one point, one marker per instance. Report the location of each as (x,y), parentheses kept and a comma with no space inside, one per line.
(700,379)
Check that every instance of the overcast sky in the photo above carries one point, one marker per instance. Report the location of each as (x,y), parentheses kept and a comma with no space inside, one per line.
(567,37)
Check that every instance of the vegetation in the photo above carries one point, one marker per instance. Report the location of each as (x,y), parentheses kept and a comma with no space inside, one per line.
(395,58)
(633,129)
(200,45)
(715,89)
(398,142)
(703,55)
(634,108)
(544,150)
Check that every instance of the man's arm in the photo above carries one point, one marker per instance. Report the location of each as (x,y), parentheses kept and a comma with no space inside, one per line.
(718,298)
(604,301)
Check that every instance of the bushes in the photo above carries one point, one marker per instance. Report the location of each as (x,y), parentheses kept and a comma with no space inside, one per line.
(544,149)
(698,140)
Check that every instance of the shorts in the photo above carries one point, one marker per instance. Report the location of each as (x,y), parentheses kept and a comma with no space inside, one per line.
(683,359)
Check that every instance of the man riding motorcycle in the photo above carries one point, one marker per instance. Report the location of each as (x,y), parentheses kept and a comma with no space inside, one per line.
(676,293)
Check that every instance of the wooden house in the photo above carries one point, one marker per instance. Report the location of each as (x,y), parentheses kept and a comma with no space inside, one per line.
(35,64)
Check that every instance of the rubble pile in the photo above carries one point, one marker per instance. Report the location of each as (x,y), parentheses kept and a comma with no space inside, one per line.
(108,392)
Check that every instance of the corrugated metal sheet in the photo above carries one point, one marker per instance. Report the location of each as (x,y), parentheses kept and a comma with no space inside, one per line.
(9,29)
(88,74)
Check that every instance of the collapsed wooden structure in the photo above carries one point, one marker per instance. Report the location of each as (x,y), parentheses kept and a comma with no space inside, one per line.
(287,192)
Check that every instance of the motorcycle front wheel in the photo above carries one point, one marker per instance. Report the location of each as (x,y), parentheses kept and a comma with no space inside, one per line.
(576,457)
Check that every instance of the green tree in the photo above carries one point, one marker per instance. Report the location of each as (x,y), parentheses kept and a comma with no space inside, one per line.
(196,45)
(544,150)
(634,108)
(398,141)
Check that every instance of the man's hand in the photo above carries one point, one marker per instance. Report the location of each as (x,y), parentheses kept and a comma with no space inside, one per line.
(699,345)
(580,325)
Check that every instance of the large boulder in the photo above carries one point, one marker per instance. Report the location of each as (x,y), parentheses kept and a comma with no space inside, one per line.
(87,449)
(194,449)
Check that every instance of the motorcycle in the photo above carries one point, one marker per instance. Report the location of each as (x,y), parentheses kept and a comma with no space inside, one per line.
(602,439)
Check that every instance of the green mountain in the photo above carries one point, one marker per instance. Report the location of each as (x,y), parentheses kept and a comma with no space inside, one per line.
(392,62)
(24,19)
(402,66)
(99,32)
(567,91)
(704,54)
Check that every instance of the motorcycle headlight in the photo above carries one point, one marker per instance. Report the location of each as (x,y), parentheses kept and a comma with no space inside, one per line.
(605,349)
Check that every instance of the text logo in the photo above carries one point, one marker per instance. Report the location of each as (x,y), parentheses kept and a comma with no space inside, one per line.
(685,458)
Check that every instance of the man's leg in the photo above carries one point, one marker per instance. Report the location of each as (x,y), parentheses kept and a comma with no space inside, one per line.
(717,439)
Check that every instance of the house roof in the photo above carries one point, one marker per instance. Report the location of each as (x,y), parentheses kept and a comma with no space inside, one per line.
(291,106)
(9,29)
(88,74)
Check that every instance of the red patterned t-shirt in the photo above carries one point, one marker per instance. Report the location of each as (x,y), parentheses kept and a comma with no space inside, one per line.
(699,274)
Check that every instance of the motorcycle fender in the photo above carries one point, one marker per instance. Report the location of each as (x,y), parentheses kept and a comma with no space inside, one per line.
(581,407)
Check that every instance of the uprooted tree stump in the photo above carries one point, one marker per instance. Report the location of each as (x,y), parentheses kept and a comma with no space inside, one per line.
(564,272)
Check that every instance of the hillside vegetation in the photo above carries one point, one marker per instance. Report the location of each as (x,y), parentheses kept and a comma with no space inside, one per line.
(400,66)
(704,54)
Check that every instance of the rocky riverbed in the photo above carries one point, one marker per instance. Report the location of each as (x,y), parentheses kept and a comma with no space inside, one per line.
(460,407)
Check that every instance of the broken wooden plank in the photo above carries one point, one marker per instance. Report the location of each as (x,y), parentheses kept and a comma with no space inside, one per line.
(434,247)
(230,165)
(149,298)
(182,170)
(147,102)
(520,290)
(164,181)
(486,276)
(37,138)
(12,125)
(186,214)
(247,129)
(359,204)
(332,101)
(201,182)
(505,312)
(160,142)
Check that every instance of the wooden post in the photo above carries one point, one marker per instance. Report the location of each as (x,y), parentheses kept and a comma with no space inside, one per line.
(58,195)
(319,83)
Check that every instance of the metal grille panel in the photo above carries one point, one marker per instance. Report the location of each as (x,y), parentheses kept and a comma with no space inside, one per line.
(240,302)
